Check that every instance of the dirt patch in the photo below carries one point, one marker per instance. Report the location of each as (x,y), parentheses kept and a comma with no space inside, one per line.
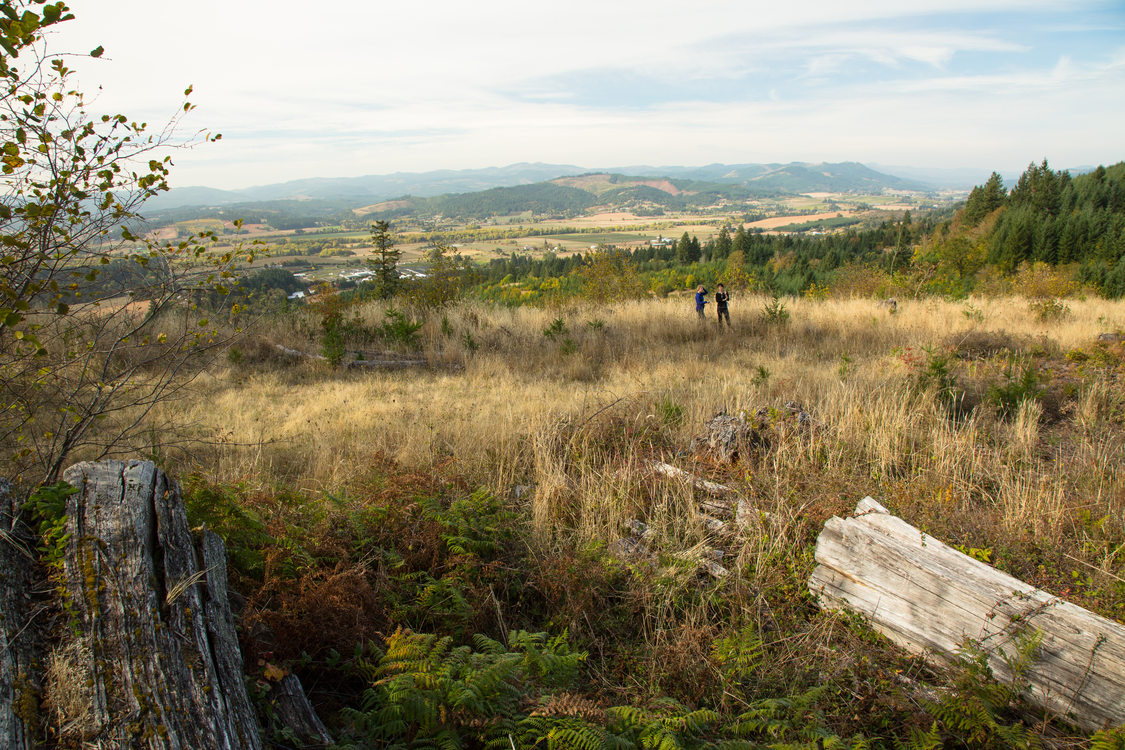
(600,183)
(780,221)
(664,185)
(384,206)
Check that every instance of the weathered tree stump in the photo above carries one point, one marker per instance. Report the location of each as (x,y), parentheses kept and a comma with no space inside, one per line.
(296,713)
(727,438)
(932,599)
(165,670)
(19,682)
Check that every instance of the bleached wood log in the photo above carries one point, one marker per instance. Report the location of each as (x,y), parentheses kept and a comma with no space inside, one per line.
(929,598)
(378,364)
(707,559)
(703,485)
(165,669)
(385,364)
(297,353)
(732,505)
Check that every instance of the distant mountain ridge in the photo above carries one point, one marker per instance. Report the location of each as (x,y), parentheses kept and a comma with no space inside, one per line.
(795,177)
(370,188)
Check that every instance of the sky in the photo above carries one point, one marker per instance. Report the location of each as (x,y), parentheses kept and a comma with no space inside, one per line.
(358,87)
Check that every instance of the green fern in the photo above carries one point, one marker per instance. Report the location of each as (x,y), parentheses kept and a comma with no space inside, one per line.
(795,719)
(667,726)
(476,525)
(973,712)
(429,693)
(738,654)
(47,506)
(1109,739)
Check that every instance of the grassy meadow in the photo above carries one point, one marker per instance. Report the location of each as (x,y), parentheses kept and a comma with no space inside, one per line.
(486,494)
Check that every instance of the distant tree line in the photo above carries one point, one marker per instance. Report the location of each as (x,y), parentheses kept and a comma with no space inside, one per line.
(1048,218)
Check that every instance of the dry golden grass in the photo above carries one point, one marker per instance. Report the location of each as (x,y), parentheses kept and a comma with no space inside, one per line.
(573,416)
(68,692)
(562,427)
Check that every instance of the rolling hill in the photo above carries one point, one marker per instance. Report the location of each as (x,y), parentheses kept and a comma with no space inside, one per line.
(709,182)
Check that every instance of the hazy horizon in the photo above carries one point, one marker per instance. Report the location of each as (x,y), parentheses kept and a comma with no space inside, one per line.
(364,90)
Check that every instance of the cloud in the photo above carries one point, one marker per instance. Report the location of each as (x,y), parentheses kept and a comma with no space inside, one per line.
(360,87)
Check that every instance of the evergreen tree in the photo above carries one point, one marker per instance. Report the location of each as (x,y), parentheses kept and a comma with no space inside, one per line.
(985,199)
(1040,188)
(688,249)
(741,242)
(723,244)
(385,260)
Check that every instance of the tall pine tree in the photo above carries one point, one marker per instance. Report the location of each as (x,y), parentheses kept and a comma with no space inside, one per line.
(385,260)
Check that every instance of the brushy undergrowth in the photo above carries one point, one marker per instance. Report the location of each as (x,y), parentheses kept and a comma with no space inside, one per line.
(437,554)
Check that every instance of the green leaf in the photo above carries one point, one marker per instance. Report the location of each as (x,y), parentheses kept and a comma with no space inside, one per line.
(97,51)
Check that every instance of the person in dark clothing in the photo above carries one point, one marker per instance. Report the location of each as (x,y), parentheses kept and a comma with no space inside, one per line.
(700,301)
(721,300)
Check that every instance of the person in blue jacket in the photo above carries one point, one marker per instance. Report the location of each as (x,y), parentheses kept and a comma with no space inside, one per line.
(700,301)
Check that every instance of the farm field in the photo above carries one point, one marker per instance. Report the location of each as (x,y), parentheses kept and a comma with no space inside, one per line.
(620,228)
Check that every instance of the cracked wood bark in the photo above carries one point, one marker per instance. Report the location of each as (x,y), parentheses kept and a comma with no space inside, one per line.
(19,686)
(295,712)
(166,670)
(931,599)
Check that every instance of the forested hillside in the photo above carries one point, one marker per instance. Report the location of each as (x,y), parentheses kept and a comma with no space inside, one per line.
(1053,218)
(571,196)
(1063,231)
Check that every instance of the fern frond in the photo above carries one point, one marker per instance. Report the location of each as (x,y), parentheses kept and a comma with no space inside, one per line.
(573,734)
(487,645)
(1108,739)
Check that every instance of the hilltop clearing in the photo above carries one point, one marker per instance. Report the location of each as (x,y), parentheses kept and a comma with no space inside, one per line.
(487,492)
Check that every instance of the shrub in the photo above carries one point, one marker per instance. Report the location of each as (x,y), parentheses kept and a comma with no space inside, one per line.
(556,329)
(1021,382)
(397,329)
(774,313)
(929,369)
(1048,309)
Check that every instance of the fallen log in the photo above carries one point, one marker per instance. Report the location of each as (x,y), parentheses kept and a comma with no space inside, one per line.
(733,504)
(164,668)
(298,353)
(929,598)
(383,363)
(703,485)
